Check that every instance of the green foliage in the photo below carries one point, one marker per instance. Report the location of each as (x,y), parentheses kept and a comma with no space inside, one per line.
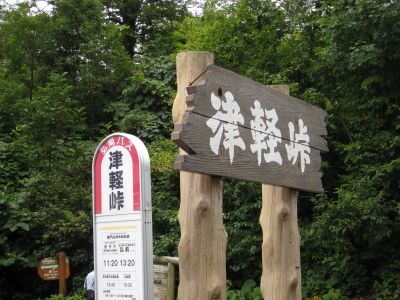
(12,165)
(387,284)
(50,122)
(243,35)
(148,25)
(165,197)
(247,292)
(312,282)
(69,297)
(15,223)
(46,135)
(24,41)
(88,48)
(334,294)
(52,215)
(361,217)
(145,107)
(89,68)
(328,293)
(242,207)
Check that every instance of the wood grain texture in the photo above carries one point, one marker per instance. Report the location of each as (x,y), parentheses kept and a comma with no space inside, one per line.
(281,276)
(171,282)
(198,61)
(245,165)
(246,91)
(161,288)
(194,134)
(164,277)
(165,260)
(281,272)
(202,247)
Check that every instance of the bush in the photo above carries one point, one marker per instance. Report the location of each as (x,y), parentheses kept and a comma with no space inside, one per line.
(248,292)
(60,297)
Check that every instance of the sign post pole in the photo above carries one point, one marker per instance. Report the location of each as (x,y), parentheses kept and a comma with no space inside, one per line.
(62,286)
(281,278)
(281,272)
(202,247)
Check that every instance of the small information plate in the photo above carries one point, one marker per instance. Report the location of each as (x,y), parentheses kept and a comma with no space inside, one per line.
(48,269)
(119,261)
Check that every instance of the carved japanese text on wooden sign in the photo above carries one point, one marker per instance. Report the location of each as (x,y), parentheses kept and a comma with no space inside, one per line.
(238,128)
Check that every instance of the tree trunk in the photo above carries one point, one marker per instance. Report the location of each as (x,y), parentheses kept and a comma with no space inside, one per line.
(202,248)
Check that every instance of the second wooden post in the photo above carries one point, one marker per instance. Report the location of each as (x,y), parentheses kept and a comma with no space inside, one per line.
(281,275)
(202,248)
(62,285)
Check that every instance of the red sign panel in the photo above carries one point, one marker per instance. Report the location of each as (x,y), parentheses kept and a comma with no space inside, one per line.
(118,158)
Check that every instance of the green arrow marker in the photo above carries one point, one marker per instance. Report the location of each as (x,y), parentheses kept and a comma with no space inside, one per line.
(49,267)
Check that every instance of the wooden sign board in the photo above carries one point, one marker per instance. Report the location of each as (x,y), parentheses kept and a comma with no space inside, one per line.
(48,269)
(238,128)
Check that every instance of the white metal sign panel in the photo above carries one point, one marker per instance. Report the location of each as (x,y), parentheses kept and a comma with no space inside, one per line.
(122,219)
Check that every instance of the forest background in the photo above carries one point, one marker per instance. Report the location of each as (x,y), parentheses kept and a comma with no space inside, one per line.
(72,74)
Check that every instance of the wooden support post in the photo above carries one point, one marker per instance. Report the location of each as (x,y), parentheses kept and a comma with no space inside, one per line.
(62,285)
(171,282)
(281,276)
(202,248)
